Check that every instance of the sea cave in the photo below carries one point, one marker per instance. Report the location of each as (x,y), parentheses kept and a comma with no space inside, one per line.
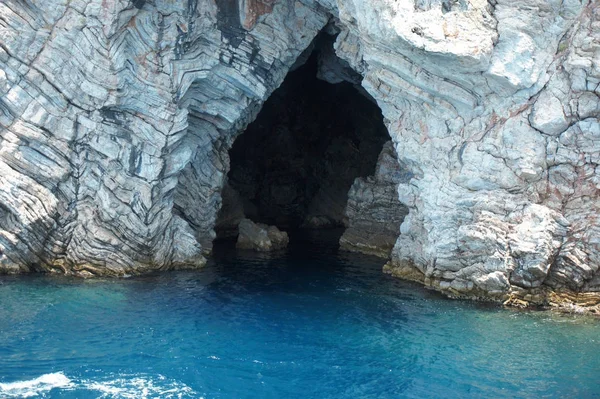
(317,156)
(299,199)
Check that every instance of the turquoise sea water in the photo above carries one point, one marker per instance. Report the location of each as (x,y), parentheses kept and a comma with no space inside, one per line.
(306,323)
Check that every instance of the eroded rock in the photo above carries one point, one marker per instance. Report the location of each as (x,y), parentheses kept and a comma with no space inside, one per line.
(260,237)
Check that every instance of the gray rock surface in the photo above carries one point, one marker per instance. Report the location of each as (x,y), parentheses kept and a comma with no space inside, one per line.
(260,237)
(373,211)
(116,118)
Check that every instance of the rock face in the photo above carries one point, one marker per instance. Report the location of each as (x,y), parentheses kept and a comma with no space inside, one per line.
(260,237)
(116,118)
(373,211)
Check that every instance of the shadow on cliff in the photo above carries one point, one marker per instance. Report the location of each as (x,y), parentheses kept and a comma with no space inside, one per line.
(295,164)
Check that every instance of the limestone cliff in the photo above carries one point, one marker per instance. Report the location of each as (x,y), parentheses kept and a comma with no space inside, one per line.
(116,117)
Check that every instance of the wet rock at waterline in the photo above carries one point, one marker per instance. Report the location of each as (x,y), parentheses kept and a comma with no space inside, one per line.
(260,237)
(116,121)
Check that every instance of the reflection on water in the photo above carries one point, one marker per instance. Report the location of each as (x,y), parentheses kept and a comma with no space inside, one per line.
(308,322)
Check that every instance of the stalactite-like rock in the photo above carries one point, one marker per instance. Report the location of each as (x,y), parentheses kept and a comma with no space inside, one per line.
(116,118)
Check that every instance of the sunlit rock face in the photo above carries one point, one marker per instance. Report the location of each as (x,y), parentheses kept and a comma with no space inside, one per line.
(116,121)
(117,118)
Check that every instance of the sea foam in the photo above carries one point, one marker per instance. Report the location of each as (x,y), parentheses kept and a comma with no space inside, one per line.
(139,387)
(110,387)
(34,387)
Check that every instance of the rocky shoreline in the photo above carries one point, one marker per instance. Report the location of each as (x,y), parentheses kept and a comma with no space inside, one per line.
(544,298)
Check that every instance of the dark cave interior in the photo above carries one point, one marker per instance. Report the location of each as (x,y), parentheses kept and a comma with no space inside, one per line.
(294,165)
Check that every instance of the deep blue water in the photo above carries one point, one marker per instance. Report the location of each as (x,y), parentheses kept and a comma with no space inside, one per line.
(307,323)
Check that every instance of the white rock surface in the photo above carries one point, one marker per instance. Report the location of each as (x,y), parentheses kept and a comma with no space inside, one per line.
(116,118)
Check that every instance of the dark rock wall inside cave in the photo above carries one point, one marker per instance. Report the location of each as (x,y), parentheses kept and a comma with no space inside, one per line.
(294,165)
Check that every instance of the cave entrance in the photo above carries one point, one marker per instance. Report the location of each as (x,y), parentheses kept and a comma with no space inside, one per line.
(294,166)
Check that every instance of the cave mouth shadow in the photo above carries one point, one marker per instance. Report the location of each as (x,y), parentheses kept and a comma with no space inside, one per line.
(295,164)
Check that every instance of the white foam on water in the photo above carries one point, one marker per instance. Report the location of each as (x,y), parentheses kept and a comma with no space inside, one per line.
(35,387)
(112,387)
(139,387)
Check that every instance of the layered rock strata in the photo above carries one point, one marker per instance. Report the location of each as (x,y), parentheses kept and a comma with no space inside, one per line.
(116,118)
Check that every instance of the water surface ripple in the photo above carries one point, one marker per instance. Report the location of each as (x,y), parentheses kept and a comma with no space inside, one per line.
(306,323)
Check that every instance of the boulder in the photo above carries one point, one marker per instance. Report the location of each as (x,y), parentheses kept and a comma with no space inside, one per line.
(260,237)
